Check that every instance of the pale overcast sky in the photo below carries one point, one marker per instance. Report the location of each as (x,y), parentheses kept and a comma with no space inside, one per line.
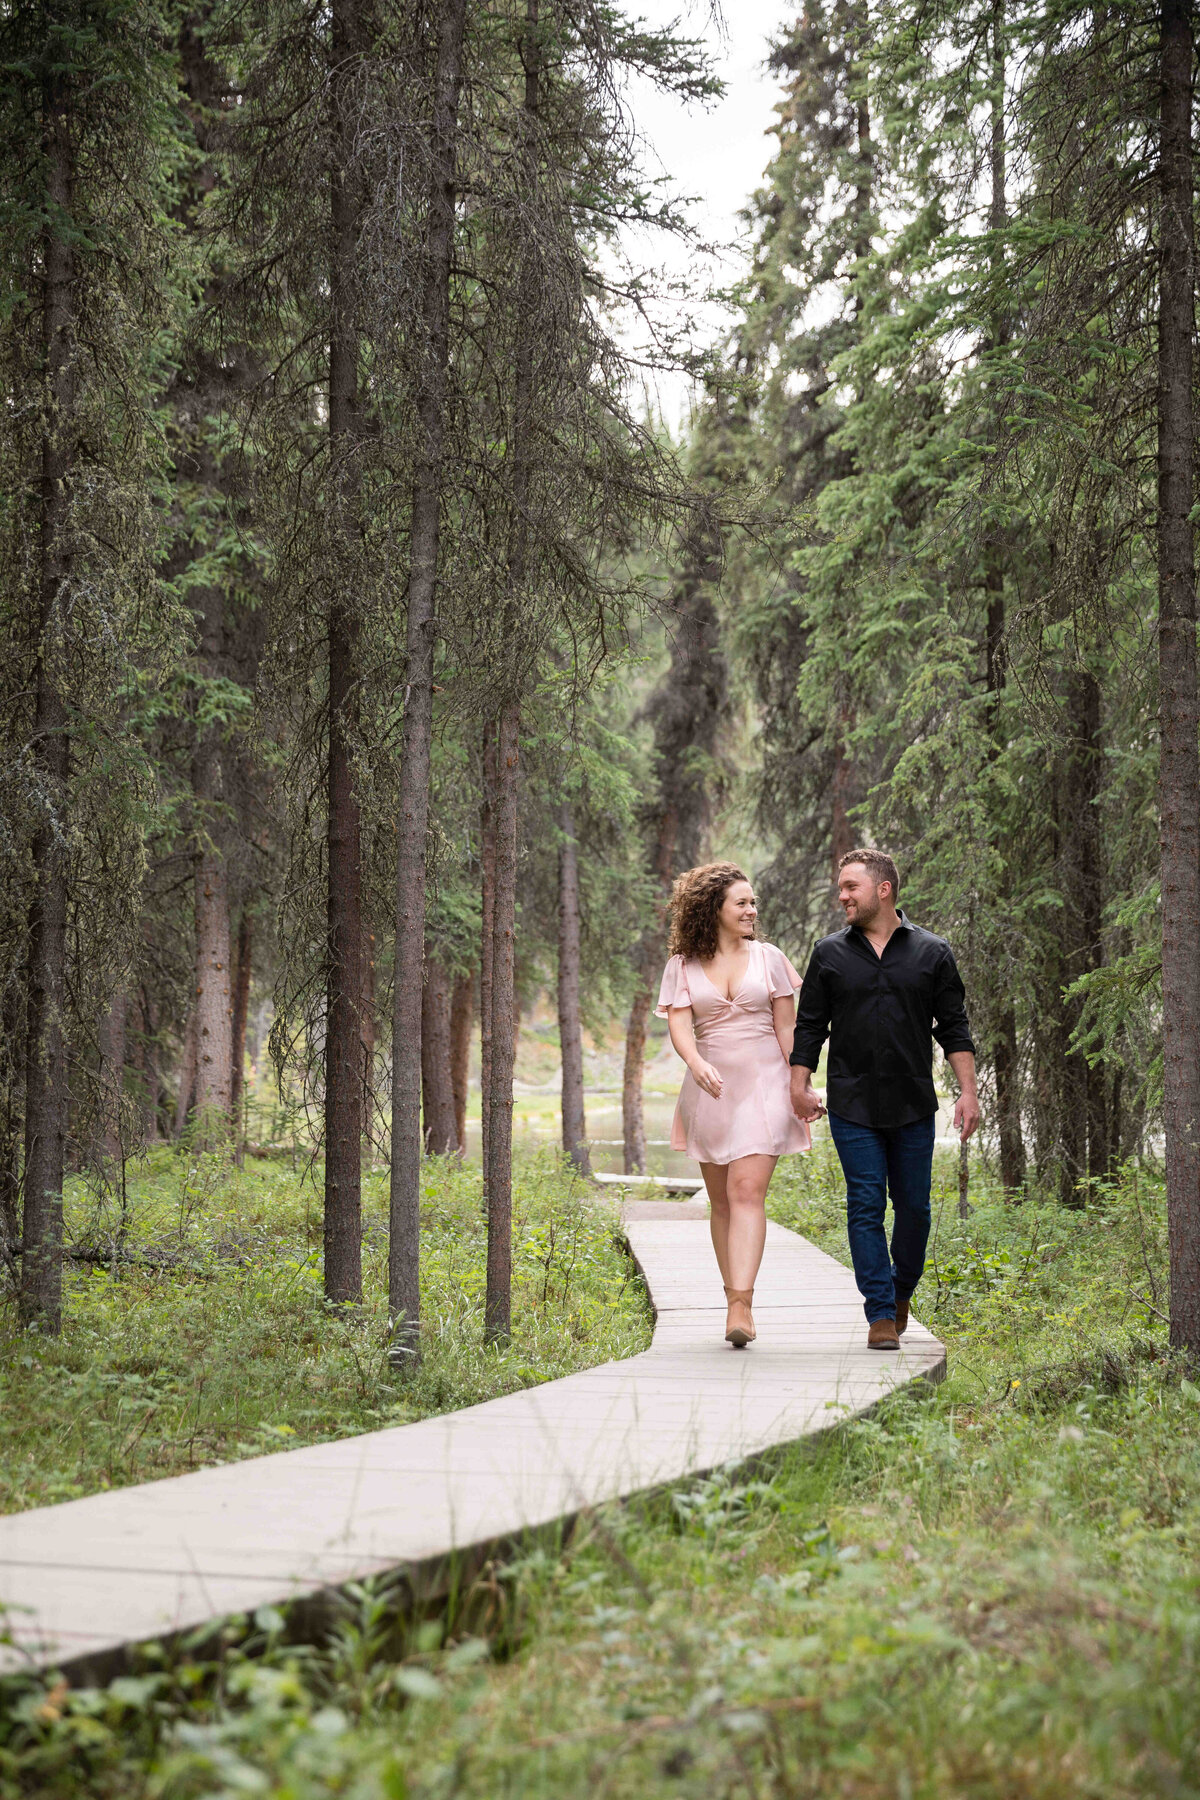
(718,153)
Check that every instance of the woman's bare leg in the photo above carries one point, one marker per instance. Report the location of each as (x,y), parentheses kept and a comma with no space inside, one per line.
(718,1214)
(746,1184)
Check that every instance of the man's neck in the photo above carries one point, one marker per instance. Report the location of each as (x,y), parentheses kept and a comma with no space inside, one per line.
(882,927)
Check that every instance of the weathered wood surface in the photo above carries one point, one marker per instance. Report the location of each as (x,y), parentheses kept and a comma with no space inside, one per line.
(87,1578)
(669,1184)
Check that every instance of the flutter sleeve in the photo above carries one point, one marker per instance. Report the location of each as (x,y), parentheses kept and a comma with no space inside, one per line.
(674,989)
(781,976)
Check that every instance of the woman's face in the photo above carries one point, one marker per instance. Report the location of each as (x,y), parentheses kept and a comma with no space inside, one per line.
(739,910)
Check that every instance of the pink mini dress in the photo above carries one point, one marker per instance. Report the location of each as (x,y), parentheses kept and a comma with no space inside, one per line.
(753,1115)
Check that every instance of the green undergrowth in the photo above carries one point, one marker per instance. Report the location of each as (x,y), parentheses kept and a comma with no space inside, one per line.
(988,1589)
(217,1344)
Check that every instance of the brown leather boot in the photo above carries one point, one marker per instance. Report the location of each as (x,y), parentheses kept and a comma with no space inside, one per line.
(883,1335)
(739,1320)
(901,1317)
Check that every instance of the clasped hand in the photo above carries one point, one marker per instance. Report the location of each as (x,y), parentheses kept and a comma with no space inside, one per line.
(806,1102)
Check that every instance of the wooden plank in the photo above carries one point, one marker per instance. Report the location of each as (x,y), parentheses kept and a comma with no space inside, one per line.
(85,1580)
(670,1184)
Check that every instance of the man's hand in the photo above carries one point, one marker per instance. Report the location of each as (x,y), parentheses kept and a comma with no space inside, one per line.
(806,1102)
(966,1113)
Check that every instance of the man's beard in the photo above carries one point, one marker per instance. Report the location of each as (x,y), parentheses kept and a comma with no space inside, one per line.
(866,914)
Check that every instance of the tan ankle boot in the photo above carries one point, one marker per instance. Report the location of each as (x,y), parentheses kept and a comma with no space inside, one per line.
(739,1320)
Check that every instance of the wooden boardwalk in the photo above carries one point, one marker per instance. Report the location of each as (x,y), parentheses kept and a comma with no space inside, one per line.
(83,1581)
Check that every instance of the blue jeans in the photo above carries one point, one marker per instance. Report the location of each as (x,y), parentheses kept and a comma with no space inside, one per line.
(877,1163)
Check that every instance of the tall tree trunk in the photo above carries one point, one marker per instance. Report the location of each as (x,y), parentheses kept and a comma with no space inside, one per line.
(499,1097)
(462,1019)
(368,1036)
(841,789)
(1089,886)
(436,1082)
(12,1038)
(1080,879)
(633,1108)
(498,1101)
(686,708)
(213,996)
(344,976)
(570,1036)
(46,1050)
(1006,1064)
(487,938)
(112,1077)
(186,1093)
(1179,715)
(241,1007)
(404,1253)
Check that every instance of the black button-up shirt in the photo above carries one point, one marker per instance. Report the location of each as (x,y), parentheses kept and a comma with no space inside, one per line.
(879,1014)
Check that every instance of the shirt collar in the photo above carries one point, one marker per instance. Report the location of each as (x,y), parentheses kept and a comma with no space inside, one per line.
(905,924)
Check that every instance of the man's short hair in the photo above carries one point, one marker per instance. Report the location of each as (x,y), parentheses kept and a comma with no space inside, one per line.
(878,864)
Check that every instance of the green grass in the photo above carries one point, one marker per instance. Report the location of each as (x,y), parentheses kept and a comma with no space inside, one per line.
(230,1351)
(989,1590)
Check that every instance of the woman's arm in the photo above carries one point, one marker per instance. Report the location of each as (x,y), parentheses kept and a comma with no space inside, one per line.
(783,1017)
(683,1036)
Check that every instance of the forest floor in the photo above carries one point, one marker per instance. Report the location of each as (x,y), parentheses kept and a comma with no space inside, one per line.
(215,1344)
(989,1590)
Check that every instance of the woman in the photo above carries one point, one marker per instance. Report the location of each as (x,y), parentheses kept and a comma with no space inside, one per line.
(729,1002)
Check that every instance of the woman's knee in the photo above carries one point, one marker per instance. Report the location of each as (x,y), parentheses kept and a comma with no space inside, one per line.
(745,1191)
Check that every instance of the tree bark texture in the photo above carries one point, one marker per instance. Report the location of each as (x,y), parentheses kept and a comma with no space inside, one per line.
(404,1255)
(570,1034)
(437,1089)
(1006,1065)
(1069,1088)
(46,1102)
(186,1094)
(241,1008)
(368,1035)
(685,711)
(1179,715)
(842,793)
(213,990)
(499,1096)
(487,937)
(633,1109)
(462,1020)
(12,1112)
(344,1111)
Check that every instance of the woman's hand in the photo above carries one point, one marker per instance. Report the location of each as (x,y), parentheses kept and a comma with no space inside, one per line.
(705,1076)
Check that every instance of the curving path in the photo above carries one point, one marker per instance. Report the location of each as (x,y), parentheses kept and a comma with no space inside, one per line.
(86,1580)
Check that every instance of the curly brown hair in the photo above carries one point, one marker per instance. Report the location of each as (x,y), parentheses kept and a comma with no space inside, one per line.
(696,899)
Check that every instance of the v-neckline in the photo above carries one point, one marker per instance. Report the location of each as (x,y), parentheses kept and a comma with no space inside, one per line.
(730,999)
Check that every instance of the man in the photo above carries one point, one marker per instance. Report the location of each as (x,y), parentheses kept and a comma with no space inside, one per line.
(881,990)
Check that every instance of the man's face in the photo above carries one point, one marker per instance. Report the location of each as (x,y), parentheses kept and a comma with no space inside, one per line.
(858,895)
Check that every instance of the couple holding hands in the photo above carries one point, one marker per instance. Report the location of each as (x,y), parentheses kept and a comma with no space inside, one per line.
(881,991)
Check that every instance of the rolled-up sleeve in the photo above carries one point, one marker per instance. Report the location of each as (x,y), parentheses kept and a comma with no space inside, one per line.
(812,1016)
(950,1026)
